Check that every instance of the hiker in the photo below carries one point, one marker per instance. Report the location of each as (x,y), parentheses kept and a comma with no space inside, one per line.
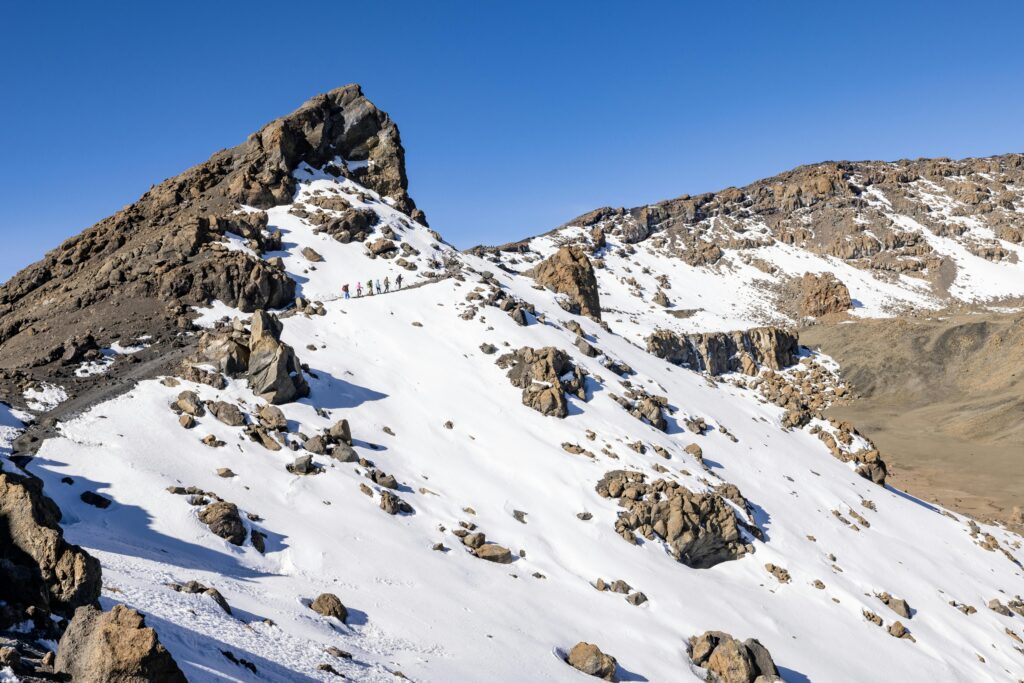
(378,286)
(398,281)
(359,289)
(387,284)
(344,290)
(369,287)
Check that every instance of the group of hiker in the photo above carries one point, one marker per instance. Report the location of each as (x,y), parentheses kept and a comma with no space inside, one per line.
(370,285)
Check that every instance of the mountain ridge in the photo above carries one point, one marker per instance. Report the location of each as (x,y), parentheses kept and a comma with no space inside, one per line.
(491,472)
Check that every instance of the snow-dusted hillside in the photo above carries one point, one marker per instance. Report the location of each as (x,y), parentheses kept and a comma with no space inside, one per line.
(428,405)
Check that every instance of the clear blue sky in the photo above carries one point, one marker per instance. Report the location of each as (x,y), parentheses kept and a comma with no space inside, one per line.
(516,116)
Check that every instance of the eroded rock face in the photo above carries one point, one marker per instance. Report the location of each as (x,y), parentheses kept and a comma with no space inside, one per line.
(732,661)
(570,272)
(544,375)
(699,529)
(114,647)
(38,567)
(716,353)
(823,294)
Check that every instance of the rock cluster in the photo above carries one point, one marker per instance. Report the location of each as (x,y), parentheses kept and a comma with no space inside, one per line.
(545,375)
(717,353)
(699,529)
(570,272)
(114,647)
(730,660)
(270,365)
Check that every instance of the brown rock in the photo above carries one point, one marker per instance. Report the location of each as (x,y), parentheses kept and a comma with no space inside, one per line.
(570,272)
(114,647)
(329,605)
(589,659)
(823,294)
(223,519)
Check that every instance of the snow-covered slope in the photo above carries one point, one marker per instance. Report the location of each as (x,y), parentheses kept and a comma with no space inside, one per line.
(431,407)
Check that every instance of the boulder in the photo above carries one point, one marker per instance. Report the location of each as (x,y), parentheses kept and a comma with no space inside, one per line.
(274,371)
(188,402)
(224,521)
(329,605)
(38,568)
(570,272)
(823,294)
(312,255)
(732,661)
(272,418)
(228,413)
(114,647)
(341,432)
(492,552)
(589,659)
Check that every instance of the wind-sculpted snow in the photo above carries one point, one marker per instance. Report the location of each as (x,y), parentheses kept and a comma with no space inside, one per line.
(414,373)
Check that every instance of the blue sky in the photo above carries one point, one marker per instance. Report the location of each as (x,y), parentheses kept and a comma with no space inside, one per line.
(516,116)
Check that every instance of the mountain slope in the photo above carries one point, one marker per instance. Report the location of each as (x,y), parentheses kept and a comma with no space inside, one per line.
(447,388)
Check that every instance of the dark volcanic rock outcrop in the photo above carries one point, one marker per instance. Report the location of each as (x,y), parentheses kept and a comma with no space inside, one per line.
(570,272)
(38,568)
(138,271)
(114,647)
(715,353)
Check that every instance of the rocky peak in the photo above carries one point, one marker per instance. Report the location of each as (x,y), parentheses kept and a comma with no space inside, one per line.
(139,272)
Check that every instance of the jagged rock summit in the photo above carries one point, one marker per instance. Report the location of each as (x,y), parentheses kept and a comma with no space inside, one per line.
(138,272)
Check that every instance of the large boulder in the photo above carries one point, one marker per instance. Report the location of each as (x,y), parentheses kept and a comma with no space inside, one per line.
(732,661)
(823,294)
(716,353)
(114,647)
(274,371)
(224,521)
(38,568)
(570,272)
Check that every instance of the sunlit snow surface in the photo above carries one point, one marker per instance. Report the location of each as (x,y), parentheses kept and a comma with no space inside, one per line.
(447,616)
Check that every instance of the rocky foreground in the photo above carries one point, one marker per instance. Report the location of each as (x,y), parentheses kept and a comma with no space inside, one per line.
(604,451)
